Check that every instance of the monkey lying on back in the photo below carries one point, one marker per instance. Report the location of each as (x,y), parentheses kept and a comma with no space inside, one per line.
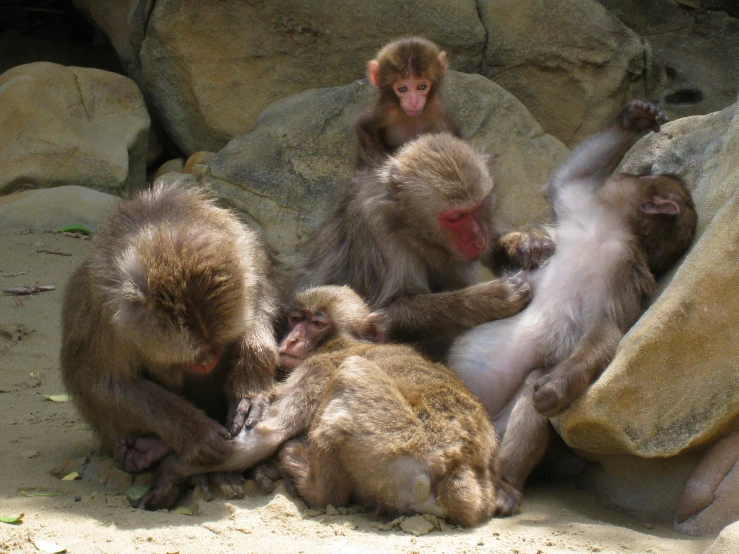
(614,235)
(386,428)
(169,323)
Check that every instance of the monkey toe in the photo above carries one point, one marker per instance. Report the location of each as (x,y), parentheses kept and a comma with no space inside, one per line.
(549,401)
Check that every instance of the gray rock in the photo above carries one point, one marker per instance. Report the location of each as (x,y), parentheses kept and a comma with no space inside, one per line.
(209,84)
(570,62)
(71,126)
(290,170)
(52,209)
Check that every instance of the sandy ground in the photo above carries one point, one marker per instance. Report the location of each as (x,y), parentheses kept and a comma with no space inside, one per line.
(88,517)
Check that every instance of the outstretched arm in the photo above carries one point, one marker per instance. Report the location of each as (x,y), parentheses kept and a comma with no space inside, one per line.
(598,156)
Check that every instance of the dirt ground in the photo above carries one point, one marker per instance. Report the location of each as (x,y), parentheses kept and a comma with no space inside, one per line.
(85,516)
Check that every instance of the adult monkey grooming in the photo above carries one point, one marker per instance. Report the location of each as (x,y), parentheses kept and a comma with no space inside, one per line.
(614,235)
(385,427)
(171,314)
(407,74)
(409,235)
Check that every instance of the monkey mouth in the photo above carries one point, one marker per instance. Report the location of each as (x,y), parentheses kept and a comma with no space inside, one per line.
(289,360)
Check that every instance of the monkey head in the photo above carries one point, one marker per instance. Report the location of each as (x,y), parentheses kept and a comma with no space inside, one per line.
(443,193)
(408,72)
(662,215)
(321,313)
(177,297)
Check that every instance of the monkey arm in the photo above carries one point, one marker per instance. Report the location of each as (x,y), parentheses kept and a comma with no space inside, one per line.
(557,389)
(371,146)
(444,313)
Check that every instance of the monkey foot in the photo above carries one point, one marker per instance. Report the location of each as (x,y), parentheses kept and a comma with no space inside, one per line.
(135,455)
(226,484)
(507,499)
(640,115)
(550,395)
(527,249)
(163,495)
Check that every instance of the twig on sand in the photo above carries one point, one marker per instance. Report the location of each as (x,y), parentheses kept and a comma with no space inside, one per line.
(28,289)
(44,251)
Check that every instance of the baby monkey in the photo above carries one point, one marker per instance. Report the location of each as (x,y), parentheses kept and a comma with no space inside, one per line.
(407,74)
(381,425)
(614,234)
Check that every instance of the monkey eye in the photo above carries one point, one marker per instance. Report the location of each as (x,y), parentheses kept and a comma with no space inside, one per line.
(422,86)
(402,89)
(319,323)
(294,318)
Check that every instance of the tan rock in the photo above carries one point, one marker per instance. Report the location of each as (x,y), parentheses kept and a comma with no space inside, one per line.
(727,541)
(71,126)
(570,62)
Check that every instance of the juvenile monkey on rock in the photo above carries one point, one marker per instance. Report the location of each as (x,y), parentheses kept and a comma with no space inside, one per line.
(167,326)
(614,234)
(382,426)
(407,74)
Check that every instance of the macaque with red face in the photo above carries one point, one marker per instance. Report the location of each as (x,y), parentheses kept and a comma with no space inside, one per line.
(407,74)
(614,234)
(409,236)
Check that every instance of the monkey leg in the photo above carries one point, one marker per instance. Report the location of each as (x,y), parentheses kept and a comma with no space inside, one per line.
(316,473)
(138,454)
(522,447)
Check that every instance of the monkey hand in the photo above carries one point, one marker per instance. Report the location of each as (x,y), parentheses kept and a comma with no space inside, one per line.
(552,392)
(138,454)
(527,248)
(639,115)
(208,445)
(507,499)
(501,297)
(246,412)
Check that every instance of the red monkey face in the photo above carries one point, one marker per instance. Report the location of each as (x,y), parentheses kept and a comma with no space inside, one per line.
(206,360)
(470,236)
(412,93)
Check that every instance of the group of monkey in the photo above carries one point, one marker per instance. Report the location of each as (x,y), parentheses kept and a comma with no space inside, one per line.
(169,327)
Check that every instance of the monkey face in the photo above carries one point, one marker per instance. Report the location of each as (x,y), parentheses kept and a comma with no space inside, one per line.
(412,93)
(307,331)
(469,235)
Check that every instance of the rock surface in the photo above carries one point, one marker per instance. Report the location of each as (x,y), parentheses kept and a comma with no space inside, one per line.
(290,170)
(570,62)
(727,542)
(71,126)
(52,209)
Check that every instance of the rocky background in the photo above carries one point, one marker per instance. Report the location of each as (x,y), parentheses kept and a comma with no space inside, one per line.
(256,99)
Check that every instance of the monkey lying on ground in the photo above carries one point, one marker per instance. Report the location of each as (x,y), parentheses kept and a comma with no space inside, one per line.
(386,428)
(407,74)
(410,235)
(167,325)
(614,235)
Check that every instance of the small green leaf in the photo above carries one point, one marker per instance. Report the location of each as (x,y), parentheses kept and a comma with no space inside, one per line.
(50,547)
(12,520)
(71,476)
(182,510)
(137,491)
(74,229)
(58,397)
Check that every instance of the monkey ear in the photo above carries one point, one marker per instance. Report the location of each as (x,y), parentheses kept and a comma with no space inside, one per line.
(374,330)
(132,293)
(373,72)
(442,63)
(659,205)
(390,174)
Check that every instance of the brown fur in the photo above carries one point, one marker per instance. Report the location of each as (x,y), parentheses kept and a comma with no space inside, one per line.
(632,227)
(385,241)
(171,276)
(382,426)
(382,129)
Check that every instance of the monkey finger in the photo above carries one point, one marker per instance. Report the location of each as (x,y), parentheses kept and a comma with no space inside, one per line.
(237,415)
(259,406)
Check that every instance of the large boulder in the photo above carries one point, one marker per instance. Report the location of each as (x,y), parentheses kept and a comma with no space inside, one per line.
(209,83)
(71,126)
(699,50)
(570,62)
(290,170)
